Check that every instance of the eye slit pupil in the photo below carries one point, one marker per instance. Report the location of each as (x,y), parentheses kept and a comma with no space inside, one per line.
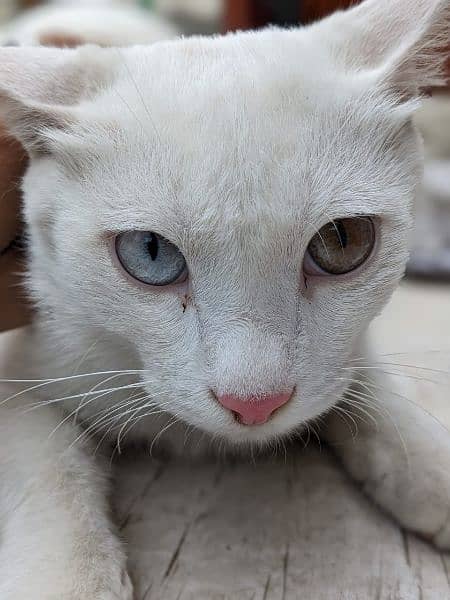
(152,246)
(149,258)
(342,234)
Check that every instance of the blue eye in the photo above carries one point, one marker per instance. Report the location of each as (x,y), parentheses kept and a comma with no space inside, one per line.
(150,258)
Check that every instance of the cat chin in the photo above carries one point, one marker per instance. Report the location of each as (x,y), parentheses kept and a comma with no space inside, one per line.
(163,438)
(186,443)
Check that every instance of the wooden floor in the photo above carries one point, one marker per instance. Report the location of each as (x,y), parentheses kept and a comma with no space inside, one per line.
(292,528)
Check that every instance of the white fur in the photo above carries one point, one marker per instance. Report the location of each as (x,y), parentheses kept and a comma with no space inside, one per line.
(237,149)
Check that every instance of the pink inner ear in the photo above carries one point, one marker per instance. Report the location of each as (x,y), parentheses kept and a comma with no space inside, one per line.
(60,40)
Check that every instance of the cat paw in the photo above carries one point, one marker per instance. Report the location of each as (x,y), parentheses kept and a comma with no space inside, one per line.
(107,581)
(441,538)
(111,582)
(122,590)
(402,463)
(102,575)
(413,488)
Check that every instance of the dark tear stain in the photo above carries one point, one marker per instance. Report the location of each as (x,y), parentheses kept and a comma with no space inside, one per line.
(184,302)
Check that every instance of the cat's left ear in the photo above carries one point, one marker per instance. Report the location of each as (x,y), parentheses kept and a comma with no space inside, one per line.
(39,88)
(401,44)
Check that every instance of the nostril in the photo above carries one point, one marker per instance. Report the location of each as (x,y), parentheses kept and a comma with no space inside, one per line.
(254,410)
(236,416)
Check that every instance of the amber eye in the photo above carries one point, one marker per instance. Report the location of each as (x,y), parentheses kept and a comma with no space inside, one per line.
(340,246)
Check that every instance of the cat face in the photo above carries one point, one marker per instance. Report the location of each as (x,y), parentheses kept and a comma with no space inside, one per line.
(176,208)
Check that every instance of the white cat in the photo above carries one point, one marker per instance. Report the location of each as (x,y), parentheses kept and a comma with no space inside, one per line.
(213,224)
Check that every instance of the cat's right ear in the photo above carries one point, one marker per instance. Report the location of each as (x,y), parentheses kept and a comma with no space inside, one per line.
(401,45)
(39,88)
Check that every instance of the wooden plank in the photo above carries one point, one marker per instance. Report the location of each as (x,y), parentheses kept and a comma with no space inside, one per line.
(270,531)
(429,569)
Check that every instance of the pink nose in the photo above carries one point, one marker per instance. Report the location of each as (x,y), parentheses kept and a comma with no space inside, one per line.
(254,410)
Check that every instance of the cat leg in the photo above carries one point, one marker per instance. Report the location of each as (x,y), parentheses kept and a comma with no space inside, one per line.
(402,461)
(56,542)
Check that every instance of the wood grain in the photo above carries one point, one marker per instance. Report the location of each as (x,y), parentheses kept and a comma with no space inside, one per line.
(273,531)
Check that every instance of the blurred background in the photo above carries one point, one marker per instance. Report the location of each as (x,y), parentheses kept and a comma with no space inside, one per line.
(122,22)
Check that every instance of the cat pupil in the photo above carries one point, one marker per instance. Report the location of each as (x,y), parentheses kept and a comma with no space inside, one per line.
(152,246)
(342,234)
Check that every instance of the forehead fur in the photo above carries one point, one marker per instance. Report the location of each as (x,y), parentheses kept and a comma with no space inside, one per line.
(239,129)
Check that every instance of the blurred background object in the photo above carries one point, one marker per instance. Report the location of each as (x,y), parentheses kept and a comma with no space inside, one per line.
(430,257)
(74,23)
(248,14)
(192,16)
(150,20)
(7,10)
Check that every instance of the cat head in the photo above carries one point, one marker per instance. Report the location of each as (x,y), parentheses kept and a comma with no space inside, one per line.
(230,212)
